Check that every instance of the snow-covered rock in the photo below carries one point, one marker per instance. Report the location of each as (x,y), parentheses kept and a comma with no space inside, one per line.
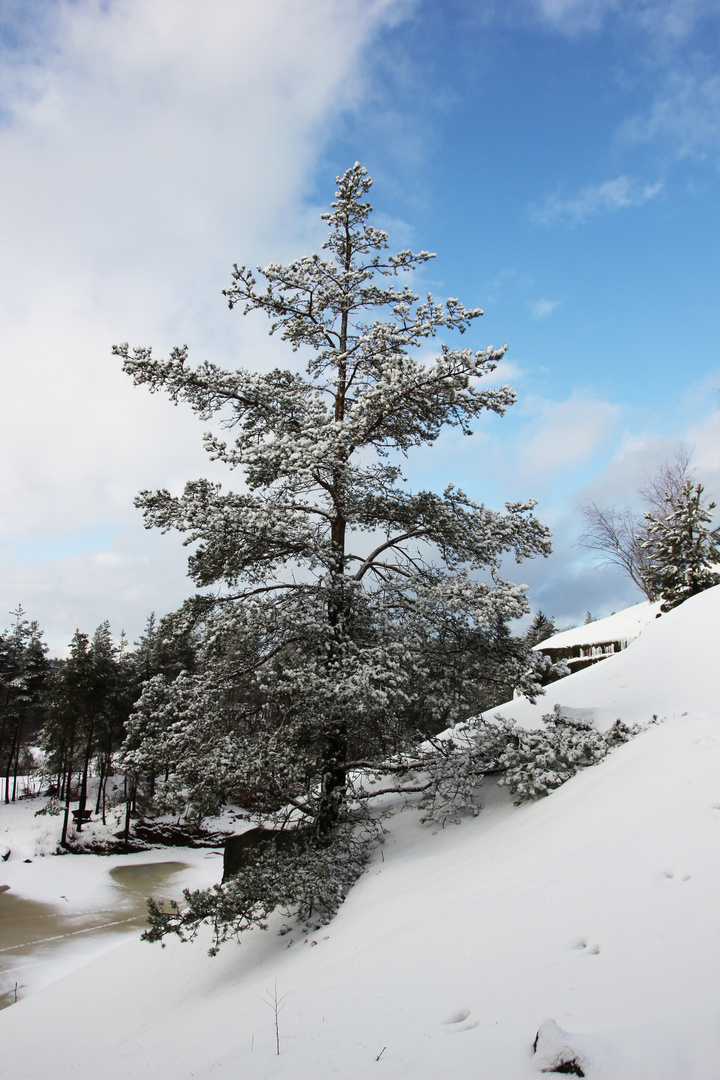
(553,1052)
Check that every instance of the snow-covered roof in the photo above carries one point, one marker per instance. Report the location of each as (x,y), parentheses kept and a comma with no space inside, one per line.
(622,626)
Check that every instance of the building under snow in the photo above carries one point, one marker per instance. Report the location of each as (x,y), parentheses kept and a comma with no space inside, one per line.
(586,645)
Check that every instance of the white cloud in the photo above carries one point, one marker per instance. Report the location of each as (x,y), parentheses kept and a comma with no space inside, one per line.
(685,117)
(660,19)
(147,144)
(567,434)
(564,452)
(704,437)
(570,582)
(543,308)
(594,199)
(571,16)
(110,558)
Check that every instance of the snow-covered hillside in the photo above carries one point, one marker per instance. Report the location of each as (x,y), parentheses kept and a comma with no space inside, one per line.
(591,915)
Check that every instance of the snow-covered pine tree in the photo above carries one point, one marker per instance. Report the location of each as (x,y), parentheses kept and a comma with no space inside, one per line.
(350,617)
(683,553)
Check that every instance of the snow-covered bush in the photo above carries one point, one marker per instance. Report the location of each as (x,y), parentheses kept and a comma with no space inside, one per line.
(532,763)
(537,761)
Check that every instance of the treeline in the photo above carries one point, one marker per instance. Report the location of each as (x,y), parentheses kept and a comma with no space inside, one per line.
(165,718)
(63,721)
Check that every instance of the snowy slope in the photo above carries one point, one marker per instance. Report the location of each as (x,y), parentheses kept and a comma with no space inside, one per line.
(595,908)
(673,662)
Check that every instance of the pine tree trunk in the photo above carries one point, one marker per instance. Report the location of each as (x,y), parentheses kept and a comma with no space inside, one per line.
(84,784)
(2,732)
(108,765)
(66,817)
(68,790)
(130,795)
(334,779)
(334,752)
(101,781)
(11,755)
(18,747)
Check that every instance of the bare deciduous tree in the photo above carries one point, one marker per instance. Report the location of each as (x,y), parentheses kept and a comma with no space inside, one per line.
(618,534)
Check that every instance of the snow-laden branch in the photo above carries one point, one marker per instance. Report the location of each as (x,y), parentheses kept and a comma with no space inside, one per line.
(390,543)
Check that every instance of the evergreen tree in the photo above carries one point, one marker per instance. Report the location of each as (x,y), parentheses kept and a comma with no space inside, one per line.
(88,701)
(23,670)
(165,648)
(62,740)
(682,551)
(350,617)
(540,629)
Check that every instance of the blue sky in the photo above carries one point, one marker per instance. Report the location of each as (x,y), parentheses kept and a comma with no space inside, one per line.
(562,157)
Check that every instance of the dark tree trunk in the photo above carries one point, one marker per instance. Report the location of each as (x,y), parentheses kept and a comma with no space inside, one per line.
(100,801)
(130,790)
(333,783)
(84,784)
(11,756)
(18,747)
(68,790)
(108,764)
(334,753)
(66,817)
(2,732)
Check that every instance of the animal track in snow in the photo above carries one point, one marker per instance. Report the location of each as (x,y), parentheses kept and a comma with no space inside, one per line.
(584,946)
(670,875)
(462,1020)
(459,1016)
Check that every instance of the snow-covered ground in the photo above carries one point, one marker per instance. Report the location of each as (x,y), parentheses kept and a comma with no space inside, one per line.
(59,913)
(590,916)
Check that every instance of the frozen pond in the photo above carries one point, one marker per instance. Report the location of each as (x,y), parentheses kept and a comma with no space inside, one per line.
(36,936)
